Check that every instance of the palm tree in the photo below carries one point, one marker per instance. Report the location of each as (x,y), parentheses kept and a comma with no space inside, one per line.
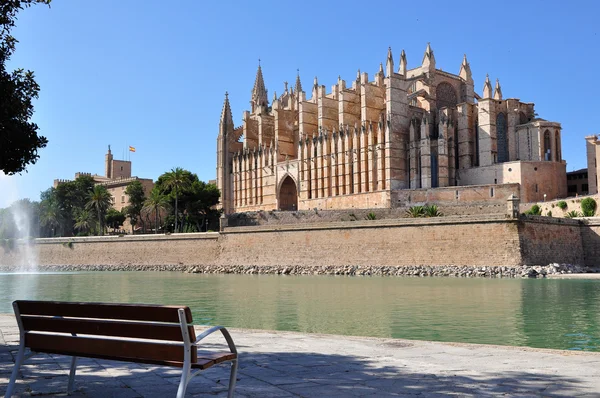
(177,179)
(155,202)
(84,221)
(100,200)
(50,216)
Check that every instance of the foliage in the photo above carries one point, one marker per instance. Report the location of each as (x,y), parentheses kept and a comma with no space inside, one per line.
(588,207)
(99,200)
(371,216)
(549,214)
(432,211)
(562,204)
(573,214)
(155,203)
(114,218)
(61,205)
(137,197)
(415,211)
(194,201)
(19,139)
(176,180)
(535,210)
(84,222)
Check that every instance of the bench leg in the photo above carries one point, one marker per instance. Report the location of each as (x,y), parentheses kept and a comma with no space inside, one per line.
(72,375)
(15,372)
(232,378)
(185,378)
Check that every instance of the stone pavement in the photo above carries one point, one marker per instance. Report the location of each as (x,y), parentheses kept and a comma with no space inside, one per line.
(282,364)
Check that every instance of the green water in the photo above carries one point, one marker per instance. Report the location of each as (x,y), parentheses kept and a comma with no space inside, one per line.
(562,314)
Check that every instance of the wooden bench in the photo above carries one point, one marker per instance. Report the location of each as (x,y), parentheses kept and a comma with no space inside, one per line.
(150,334)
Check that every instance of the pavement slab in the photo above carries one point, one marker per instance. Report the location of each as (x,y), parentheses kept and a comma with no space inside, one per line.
(285,364)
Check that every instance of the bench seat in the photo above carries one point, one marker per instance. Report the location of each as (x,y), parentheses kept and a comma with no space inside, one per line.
(139,333)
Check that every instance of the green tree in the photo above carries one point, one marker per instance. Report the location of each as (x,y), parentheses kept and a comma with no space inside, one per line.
(99,200)
(114,218)
(199,200)
(176,180)
(156,203)
(19,139)
(137,197)
(72,197)
(84,221)
(50,213)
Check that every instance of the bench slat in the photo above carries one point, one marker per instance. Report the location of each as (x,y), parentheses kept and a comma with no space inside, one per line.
(133,351)
(141,330)
(132,312)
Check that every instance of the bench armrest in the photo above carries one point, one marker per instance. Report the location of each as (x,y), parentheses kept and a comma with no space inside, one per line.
(225,333)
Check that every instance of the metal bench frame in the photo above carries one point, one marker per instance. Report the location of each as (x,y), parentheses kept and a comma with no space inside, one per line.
(186,374)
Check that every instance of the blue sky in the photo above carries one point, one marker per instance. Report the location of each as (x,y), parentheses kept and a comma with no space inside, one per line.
(152,74)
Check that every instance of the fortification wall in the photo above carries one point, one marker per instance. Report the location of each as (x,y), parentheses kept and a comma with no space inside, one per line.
(142,250)
(546,240)
(491,241)
(590,237)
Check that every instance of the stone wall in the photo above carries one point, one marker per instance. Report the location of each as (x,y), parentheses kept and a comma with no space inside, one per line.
(490,241)
(590,236)
(551,240)
(351,215)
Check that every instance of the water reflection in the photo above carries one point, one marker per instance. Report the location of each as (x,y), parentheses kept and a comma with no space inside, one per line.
(537,313)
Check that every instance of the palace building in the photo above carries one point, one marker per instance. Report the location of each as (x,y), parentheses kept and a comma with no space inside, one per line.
(368,143)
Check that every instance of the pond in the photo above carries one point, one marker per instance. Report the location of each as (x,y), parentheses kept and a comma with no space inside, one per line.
(554,313)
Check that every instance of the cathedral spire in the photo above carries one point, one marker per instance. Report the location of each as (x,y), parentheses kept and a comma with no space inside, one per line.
(428,63)
(259,92)
(402,69)
(298,86)
(498,91)
(389,63)
(465,70)
(487,88)
(226,122)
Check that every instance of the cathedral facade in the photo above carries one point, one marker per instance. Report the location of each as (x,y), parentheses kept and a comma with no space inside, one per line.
(366,143)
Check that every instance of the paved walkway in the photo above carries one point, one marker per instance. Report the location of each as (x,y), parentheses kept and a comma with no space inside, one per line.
(276,364)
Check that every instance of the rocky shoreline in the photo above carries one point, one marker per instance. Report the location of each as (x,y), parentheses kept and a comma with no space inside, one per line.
(524,271)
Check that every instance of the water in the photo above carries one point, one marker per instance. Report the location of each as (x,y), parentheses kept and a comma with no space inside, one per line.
(563,314)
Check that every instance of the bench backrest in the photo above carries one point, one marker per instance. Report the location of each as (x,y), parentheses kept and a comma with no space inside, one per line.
(135,332)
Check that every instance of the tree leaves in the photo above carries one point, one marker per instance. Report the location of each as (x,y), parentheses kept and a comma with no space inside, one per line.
(19,139)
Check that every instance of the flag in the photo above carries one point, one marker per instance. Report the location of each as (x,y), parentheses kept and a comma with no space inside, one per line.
(131,149)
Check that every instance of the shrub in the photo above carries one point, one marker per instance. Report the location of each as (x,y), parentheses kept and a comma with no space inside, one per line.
(549,214)
(371,216)
(573,214)
(535,210)
(432,211)
(415,211)
(588,207)
(562,204)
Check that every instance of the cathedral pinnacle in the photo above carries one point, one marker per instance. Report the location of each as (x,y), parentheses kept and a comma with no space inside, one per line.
(226,122)
(389,63)
(428,59)
(298,86)
(487,88)
(259,92)
(465,70)
(402,69)
(498,91)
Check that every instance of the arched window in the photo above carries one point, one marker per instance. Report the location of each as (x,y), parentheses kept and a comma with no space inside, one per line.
(547,147)
(445,95)
(557,146)
(501,138)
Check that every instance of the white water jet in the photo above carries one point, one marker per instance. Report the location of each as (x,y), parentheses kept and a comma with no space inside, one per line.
(26,258)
